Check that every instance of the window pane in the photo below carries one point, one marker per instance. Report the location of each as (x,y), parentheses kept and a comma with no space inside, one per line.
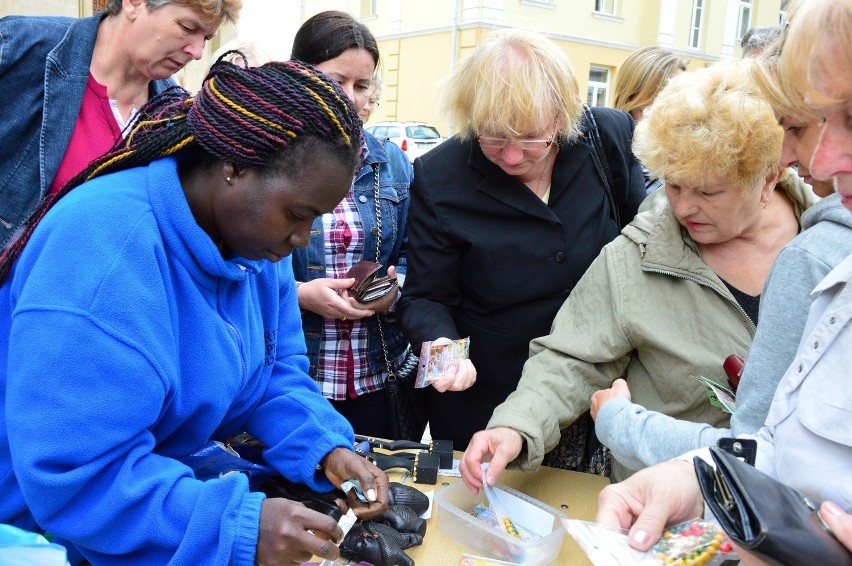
(368,7)
(695,25)
(422,132)
(605,6)
(599,75)
(590,97)
(745,16)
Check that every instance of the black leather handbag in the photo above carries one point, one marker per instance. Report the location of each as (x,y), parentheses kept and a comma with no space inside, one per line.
(762,515)
(406,409)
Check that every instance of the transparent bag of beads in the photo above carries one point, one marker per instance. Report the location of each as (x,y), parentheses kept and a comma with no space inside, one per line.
(691,543)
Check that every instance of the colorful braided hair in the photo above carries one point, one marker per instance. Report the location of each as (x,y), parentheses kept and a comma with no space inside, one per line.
(246,116)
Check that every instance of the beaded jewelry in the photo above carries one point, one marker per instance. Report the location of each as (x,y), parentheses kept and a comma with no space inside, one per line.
(691,544)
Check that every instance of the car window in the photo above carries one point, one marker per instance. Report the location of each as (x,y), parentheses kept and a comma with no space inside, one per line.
(422,132)
(394,132)
(379,131)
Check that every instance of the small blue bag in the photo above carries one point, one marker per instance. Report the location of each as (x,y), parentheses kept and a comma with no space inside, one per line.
(215,459)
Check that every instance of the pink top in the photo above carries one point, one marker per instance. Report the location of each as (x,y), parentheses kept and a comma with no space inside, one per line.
(95,132)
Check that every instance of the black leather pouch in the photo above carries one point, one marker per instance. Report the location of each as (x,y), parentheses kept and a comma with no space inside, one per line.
(769,519)
(368,285)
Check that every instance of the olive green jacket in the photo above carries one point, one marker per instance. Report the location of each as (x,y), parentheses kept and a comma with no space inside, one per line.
(648,308)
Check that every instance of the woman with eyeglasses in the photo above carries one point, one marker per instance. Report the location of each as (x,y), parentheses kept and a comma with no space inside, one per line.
(507,215)
(678,291)
(373,96)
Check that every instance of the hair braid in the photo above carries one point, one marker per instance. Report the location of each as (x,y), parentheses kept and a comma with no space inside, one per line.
(158,115)
(246,116)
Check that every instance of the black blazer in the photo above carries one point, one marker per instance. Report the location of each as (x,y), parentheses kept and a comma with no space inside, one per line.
(488,259)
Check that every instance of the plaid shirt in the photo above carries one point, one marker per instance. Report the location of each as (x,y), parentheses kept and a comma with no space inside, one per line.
(343,345)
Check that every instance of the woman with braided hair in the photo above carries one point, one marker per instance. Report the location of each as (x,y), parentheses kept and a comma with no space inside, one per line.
(181,325)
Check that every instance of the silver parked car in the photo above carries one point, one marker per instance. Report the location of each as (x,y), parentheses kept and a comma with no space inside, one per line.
(414,138)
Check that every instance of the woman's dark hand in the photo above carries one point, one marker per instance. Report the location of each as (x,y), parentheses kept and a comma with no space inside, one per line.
(290,533)
(342,464)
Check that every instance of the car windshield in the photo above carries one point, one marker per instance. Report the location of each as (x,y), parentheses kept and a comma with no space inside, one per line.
(422,132)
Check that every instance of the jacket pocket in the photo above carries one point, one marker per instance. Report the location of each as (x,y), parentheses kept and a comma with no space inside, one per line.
(823,406)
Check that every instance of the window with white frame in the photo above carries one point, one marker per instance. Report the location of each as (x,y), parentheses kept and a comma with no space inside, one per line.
(606,6)
(695,24)
(745,18)
(368,7)
(782,13)
(598,86)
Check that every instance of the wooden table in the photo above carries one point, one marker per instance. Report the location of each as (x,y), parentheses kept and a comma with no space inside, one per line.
(573,493)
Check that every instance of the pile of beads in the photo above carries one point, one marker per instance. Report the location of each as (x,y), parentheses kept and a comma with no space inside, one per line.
(691,544)
(510,527)
(503,524)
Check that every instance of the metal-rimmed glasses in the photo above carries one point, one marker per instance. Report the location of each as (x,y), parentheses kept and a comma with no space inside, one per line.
(500,143)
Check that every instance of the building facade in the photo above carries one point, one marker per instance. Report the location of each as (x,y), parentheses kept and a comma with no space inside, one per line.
(421,41)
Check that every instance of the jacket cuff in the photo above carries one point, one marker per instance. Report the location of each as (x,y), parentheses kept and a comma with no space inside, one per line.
(533,435)
(607,417)
(248,530)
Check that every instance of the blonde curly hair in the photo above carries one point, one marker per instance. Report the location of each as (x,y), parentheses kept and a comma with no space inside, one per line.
(710,123)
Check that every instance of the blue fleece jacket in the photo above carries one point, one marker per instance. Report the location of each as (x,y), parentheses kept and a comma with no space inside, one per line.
(129,343)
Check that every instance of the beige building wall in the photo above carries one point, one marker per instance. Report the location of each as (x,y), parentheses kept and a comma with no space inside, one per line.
(70,8)
(421,40)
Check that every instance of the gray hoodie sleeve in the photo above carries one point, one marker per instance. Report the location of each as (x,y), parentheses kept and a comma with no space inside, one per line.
(639,438)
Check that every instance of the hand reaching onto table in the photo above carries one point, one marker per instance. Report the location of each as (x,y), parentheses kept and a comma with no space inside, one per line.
(499,446)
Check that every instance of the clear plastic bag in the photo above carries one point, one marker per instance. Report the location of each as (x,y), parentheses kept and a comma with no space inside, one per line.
(691,543)
(24,548)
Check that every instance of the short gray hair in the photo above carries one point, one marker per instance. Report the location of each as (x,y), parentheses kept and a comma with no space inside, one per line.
(218,11)
(758,38)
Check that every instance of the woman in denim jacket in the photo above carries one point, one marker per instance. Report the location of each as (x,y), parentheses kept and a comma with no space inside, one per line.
(344,337)
(76,83)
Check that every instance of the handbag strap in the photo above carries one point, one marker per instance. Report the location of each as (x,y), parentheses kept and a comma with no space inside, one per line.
(375,166)
(601,162)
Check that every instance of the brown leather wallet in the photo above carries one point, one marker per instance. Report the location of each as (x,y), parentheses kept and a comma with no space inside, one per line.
(368,285)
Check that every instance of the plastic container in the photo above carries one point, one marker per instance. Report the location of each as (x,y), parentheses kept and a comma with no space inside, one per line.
(454,520)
